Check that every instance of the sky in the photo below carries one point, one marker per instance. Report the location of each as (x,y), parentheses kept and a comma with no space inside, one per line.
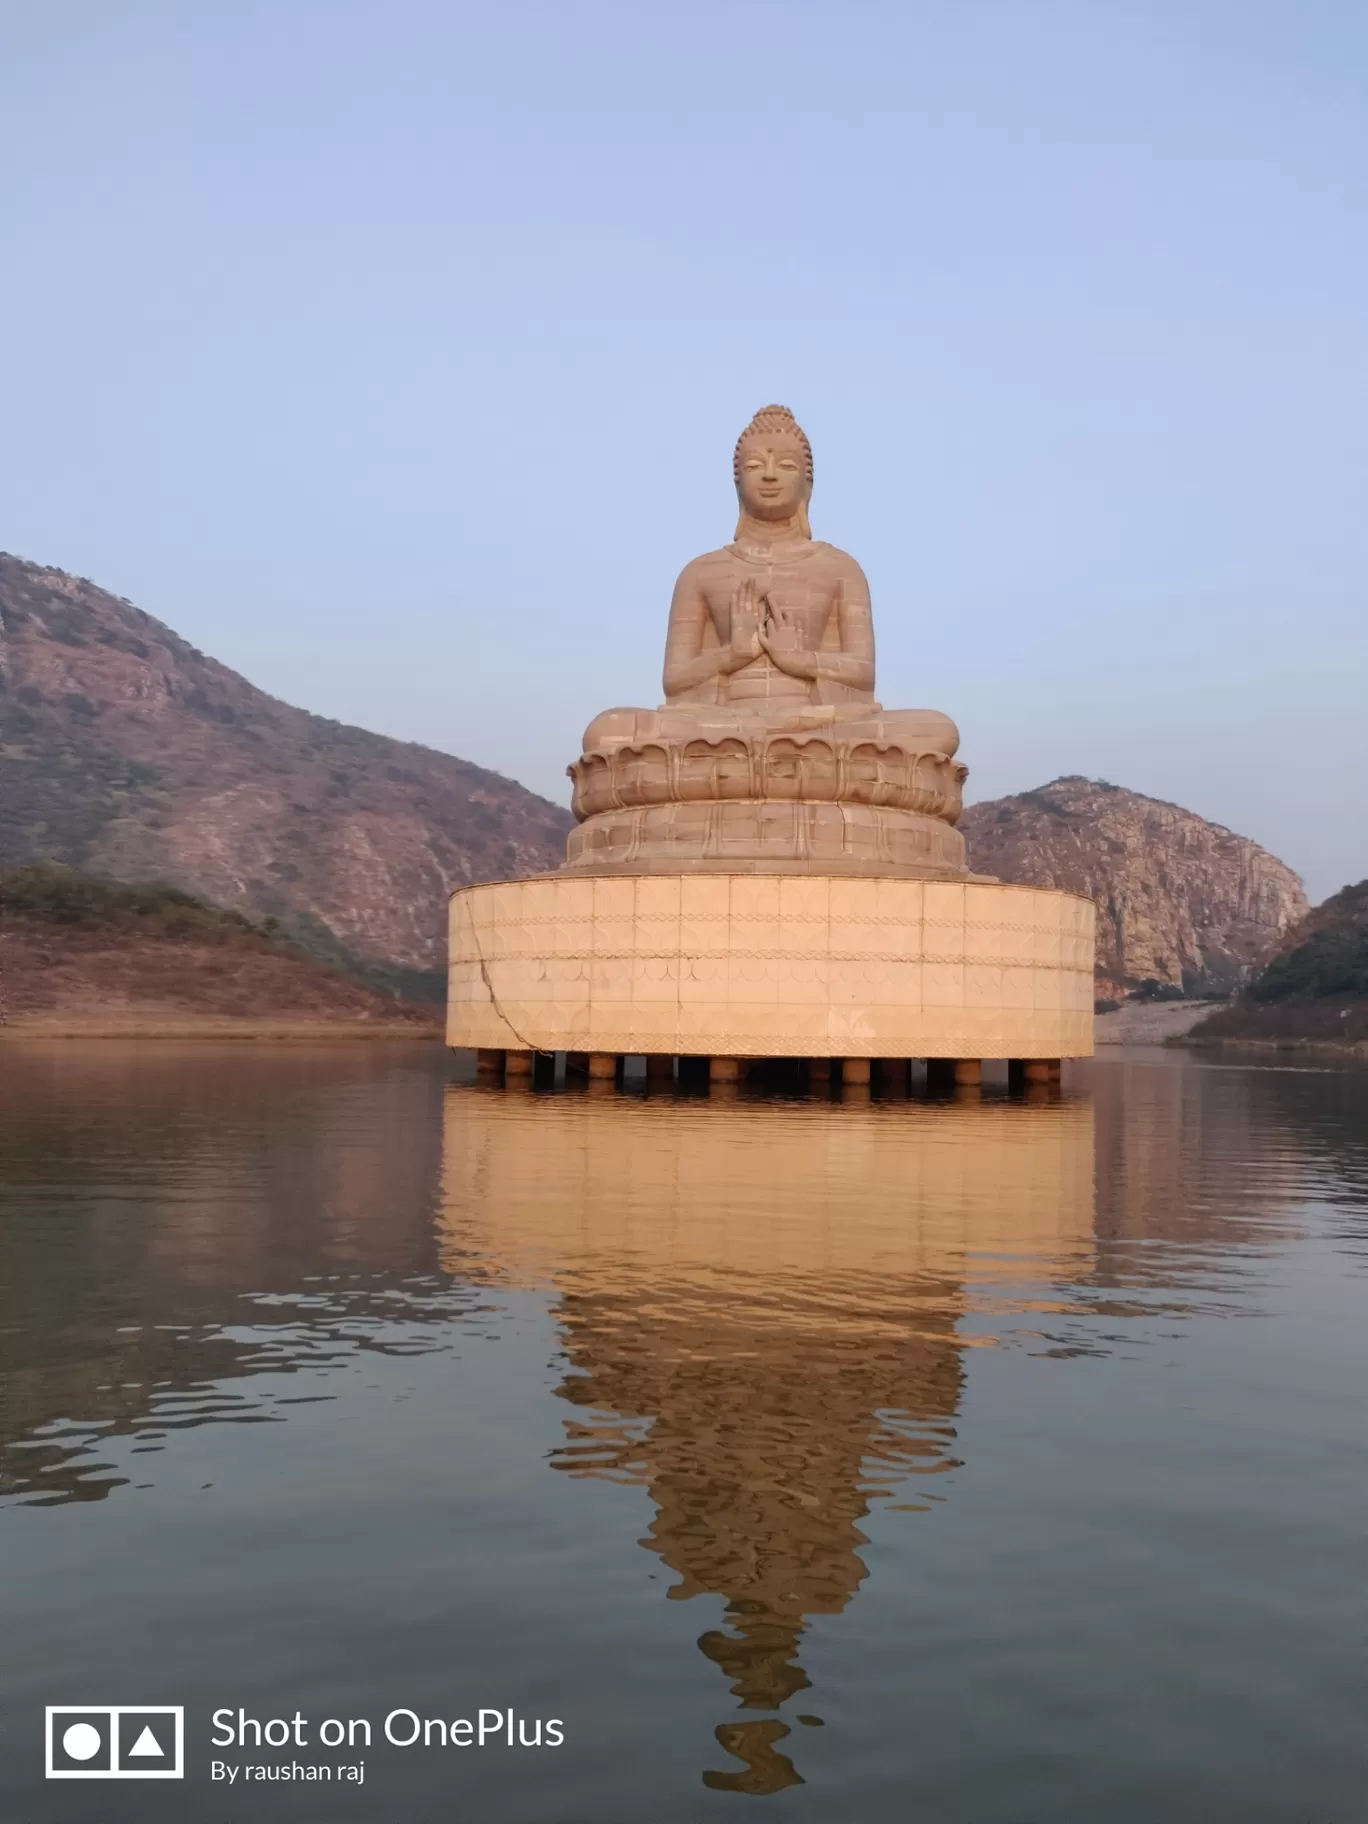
(393,351)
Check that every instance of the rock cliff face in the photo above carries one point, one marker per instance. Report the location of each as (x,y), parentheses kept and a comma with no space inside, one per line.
(125,752)
(1179,900)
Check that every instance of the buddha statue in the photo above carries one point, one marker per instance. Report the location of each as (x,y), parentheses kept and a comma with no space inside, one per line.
(770,754)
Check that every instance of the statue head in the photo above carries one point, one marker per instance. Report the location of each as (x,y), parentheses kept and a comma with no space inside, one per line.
(773,468)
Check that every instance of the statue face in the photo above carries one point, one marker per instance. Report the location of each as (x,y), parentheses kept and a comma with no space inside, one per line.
(772,481)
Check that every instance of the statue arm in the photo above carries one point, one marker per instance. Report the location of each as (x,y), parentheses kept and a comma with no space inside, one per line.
(687,664)
(853,665)
(689,659)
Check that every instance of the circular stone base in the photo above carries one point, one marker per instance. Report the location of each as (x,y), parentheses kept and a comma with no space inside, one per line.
(747,965)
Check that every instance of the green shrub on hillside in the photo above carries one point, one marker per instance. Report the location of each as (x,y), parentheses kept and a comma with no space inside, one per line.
(1159,991)
(45,893)
(1331,957)
(48,894)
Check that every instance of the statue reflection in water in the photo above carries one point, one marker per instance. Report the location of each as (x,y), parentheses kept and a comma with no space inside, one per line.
(761,1306)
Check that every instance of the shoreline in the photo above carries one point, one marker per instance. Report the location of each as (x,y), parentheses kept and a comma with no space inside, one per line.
(1148,1022)
(47,1027)
(241,1029)
(1329,1048)
(1175,1025)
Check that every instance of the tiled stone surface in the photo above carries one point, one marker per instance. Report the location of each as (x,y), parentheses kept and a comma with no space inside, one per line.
(772,966)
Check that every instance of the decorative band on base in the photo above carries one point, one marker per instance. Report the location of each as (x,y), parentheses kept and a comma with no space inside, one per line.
(821,766)
(769,835)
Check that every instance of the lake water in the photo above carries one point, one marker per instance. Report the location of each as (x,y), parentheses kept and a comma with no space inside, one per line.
(987,1461)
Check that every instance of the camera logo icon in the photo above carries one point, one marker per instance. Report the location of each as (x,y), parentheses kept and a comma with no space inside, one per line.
(115,1742)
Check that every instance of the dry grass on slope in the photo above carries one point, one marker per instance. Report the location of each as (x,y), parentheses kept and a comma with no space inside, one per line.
(79,954)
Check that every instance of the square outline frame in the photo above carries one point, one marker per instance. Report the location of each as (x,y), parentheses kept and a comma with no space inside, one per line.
(113,1771)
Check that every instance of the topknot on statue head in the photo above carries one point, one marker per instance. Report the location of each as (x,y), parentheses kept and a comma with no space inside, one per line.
(771,421)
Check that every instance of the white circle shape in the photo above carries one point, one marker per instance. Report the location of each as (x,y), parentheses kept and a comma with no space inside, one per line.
(82,1742)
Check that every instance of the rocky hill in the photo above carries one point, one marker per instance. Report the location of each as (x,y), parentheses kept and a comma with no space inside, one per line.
(127,753)
(83,955)
(1314,991)
(1179,900)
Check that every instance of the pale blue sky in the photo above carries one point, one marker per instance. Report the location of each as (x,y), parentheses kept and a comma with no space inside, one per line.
(393,351)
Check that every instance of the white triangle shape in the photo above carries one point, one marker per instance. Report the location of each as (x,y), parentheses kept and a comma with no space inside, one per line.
(146,1743)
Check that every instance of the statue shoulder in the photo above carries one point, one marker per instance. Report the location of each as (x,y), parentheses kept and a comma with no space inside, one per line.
(724,558)
(701,570)
(846,567)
